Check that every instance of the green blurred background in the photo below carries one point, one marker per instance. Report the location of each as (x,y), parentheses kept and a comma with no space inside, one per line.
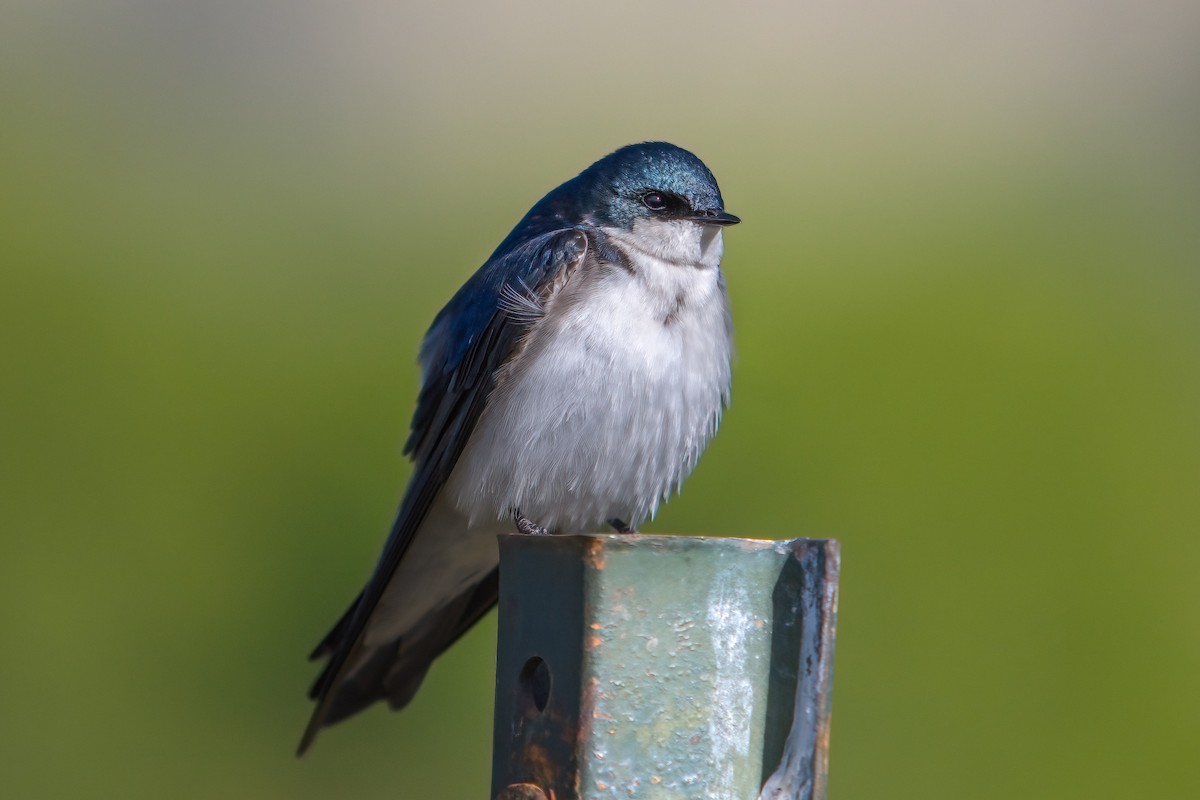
(968,315)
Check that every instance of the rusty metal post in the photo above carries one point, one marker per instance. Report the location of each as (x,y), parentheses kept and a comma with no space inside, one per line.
(659,667)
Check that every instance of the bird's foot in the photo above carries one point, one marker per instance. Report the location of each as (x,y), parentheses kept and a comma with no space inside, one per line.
(527,526)
(620,526)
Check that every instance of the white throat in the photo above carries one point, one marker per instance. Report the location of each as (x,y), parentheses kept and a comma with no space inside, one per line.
(675,242)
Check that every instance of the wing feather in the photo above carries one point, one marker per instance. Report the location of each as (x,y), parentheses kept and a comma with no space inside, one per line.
(470,339)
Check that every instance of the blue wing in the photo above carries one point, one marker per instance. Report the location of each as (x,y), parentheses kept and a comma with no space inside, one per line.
(469,340)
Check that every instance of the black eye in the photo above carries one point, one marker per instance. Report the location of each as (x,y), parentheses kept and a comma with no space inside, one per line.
(654,201)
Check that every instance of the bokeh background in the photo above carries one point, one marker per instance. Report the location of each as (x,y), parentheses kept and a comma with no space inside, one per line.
(967,301)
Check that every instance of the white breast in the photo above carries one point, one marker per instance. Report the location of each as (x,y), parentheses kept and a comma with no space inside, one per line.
(618,388)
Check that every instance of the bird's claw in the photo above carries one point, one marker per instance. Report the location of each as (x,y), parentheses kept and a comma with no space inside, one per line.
(528,526)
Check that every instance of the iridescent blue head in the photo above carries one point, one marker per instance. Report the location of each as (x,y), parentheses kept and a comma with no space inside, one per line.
(651,180)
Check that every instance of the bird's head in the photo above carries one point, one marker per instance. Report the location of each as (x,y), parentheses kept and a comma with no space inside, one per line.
(652,181)
(659,193)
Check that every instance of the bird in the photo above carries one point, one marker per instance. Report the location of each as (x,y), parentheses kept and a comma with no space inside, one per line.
(570,384)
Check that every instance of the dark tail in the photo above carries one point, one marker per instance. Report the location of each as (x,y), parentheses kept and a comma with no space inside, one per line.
(392,671)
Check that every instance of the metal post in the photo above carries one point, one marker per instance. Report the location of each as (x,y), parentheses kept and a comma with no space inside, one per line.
(656,667)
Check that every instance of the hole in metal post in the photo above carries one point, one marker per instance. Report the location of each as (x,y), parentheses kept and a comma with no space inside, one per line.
(535,685)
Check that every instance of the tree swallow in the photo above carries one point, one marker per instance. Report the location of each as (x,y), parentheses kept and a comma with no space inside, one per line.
(570,383)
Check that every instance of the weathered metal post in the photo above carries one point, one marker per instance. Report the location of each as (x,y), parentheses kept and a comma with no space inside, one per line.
(663,667)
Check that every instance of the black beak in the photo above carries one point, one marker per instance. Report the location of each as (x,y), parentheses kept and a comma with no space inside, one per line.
(714,217)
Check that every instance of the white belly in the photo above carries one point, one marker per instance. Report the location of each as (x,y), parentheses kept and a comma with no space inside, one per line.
(608,406)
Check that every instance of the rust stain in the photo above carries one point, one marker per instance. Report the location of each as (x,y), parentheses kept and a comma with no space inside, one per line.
(539,763)
(593,642)
(523,791)
(595,553)
(587,713)
(822,743)
(538,768)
